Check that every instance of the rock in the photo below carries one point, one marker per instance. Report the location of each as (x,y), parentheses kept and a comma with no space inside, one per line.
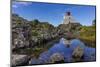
(35,39)
(33,32)
(18,43)
(19,59)
(56,57)
(20,40)
(65,27)
(77,53)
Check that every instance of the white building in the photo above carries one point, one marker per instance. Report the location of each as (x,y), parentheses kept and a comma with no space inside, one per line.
(68,18)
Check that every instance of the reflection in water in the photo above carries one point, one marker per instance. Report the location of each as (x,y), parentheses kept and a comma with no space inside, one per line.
(66,52)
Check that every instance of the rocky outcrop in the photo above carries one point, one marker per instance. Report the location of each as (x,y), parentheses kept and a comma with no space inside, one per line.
(30,33)
(20,32)
(69,27)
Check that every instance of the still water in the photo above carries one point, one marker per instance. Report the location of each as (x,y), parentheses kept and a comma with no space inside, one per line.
(88,55)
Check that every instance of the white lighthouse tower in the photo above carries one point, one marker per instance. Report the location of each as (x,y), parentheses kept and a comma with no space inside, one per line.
(68,18)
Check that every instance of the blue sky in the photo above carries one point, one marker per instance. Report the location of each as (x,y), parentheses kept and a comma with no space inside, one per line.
(53,13)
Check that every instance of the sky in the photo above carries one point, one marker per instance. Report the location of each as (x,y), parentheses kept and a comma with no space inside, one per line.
(54,13)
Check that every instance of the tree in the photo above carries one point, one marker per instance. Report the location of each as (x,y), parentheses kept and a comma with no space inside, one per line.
(34,23)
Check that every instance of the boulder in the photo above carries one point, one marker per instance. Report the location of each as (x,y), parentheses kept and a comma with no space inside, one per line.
(56,57)
(77,53)
(18,43)
(19,60)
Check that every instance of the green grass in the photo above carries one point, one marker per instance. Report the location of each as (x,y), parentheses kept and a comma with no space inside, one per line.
(88,35)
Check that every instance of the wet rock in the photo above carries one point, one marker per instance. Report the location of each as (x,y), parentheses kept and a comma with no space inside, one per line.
(56,57)
(19,60)
(77,53)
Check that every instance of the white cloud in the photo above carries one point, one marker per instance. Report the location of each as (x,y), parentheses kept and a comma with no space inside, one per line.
(14,6)
(17,4)
(25,3)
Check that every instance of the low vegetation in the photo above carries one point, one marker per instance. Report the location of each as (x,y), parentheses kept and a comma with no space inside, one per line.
(88,35)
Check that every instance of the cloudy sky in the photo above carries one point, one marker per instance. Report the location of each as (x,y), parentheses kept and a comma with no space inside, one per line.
(53,13)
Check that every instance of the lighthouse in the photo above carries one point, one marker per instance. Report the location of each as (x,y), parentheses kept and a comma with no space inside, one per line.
(68,18)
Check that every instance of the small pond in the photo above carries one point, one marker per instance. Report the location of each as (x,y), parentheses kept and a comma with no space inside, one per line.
(89,54)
